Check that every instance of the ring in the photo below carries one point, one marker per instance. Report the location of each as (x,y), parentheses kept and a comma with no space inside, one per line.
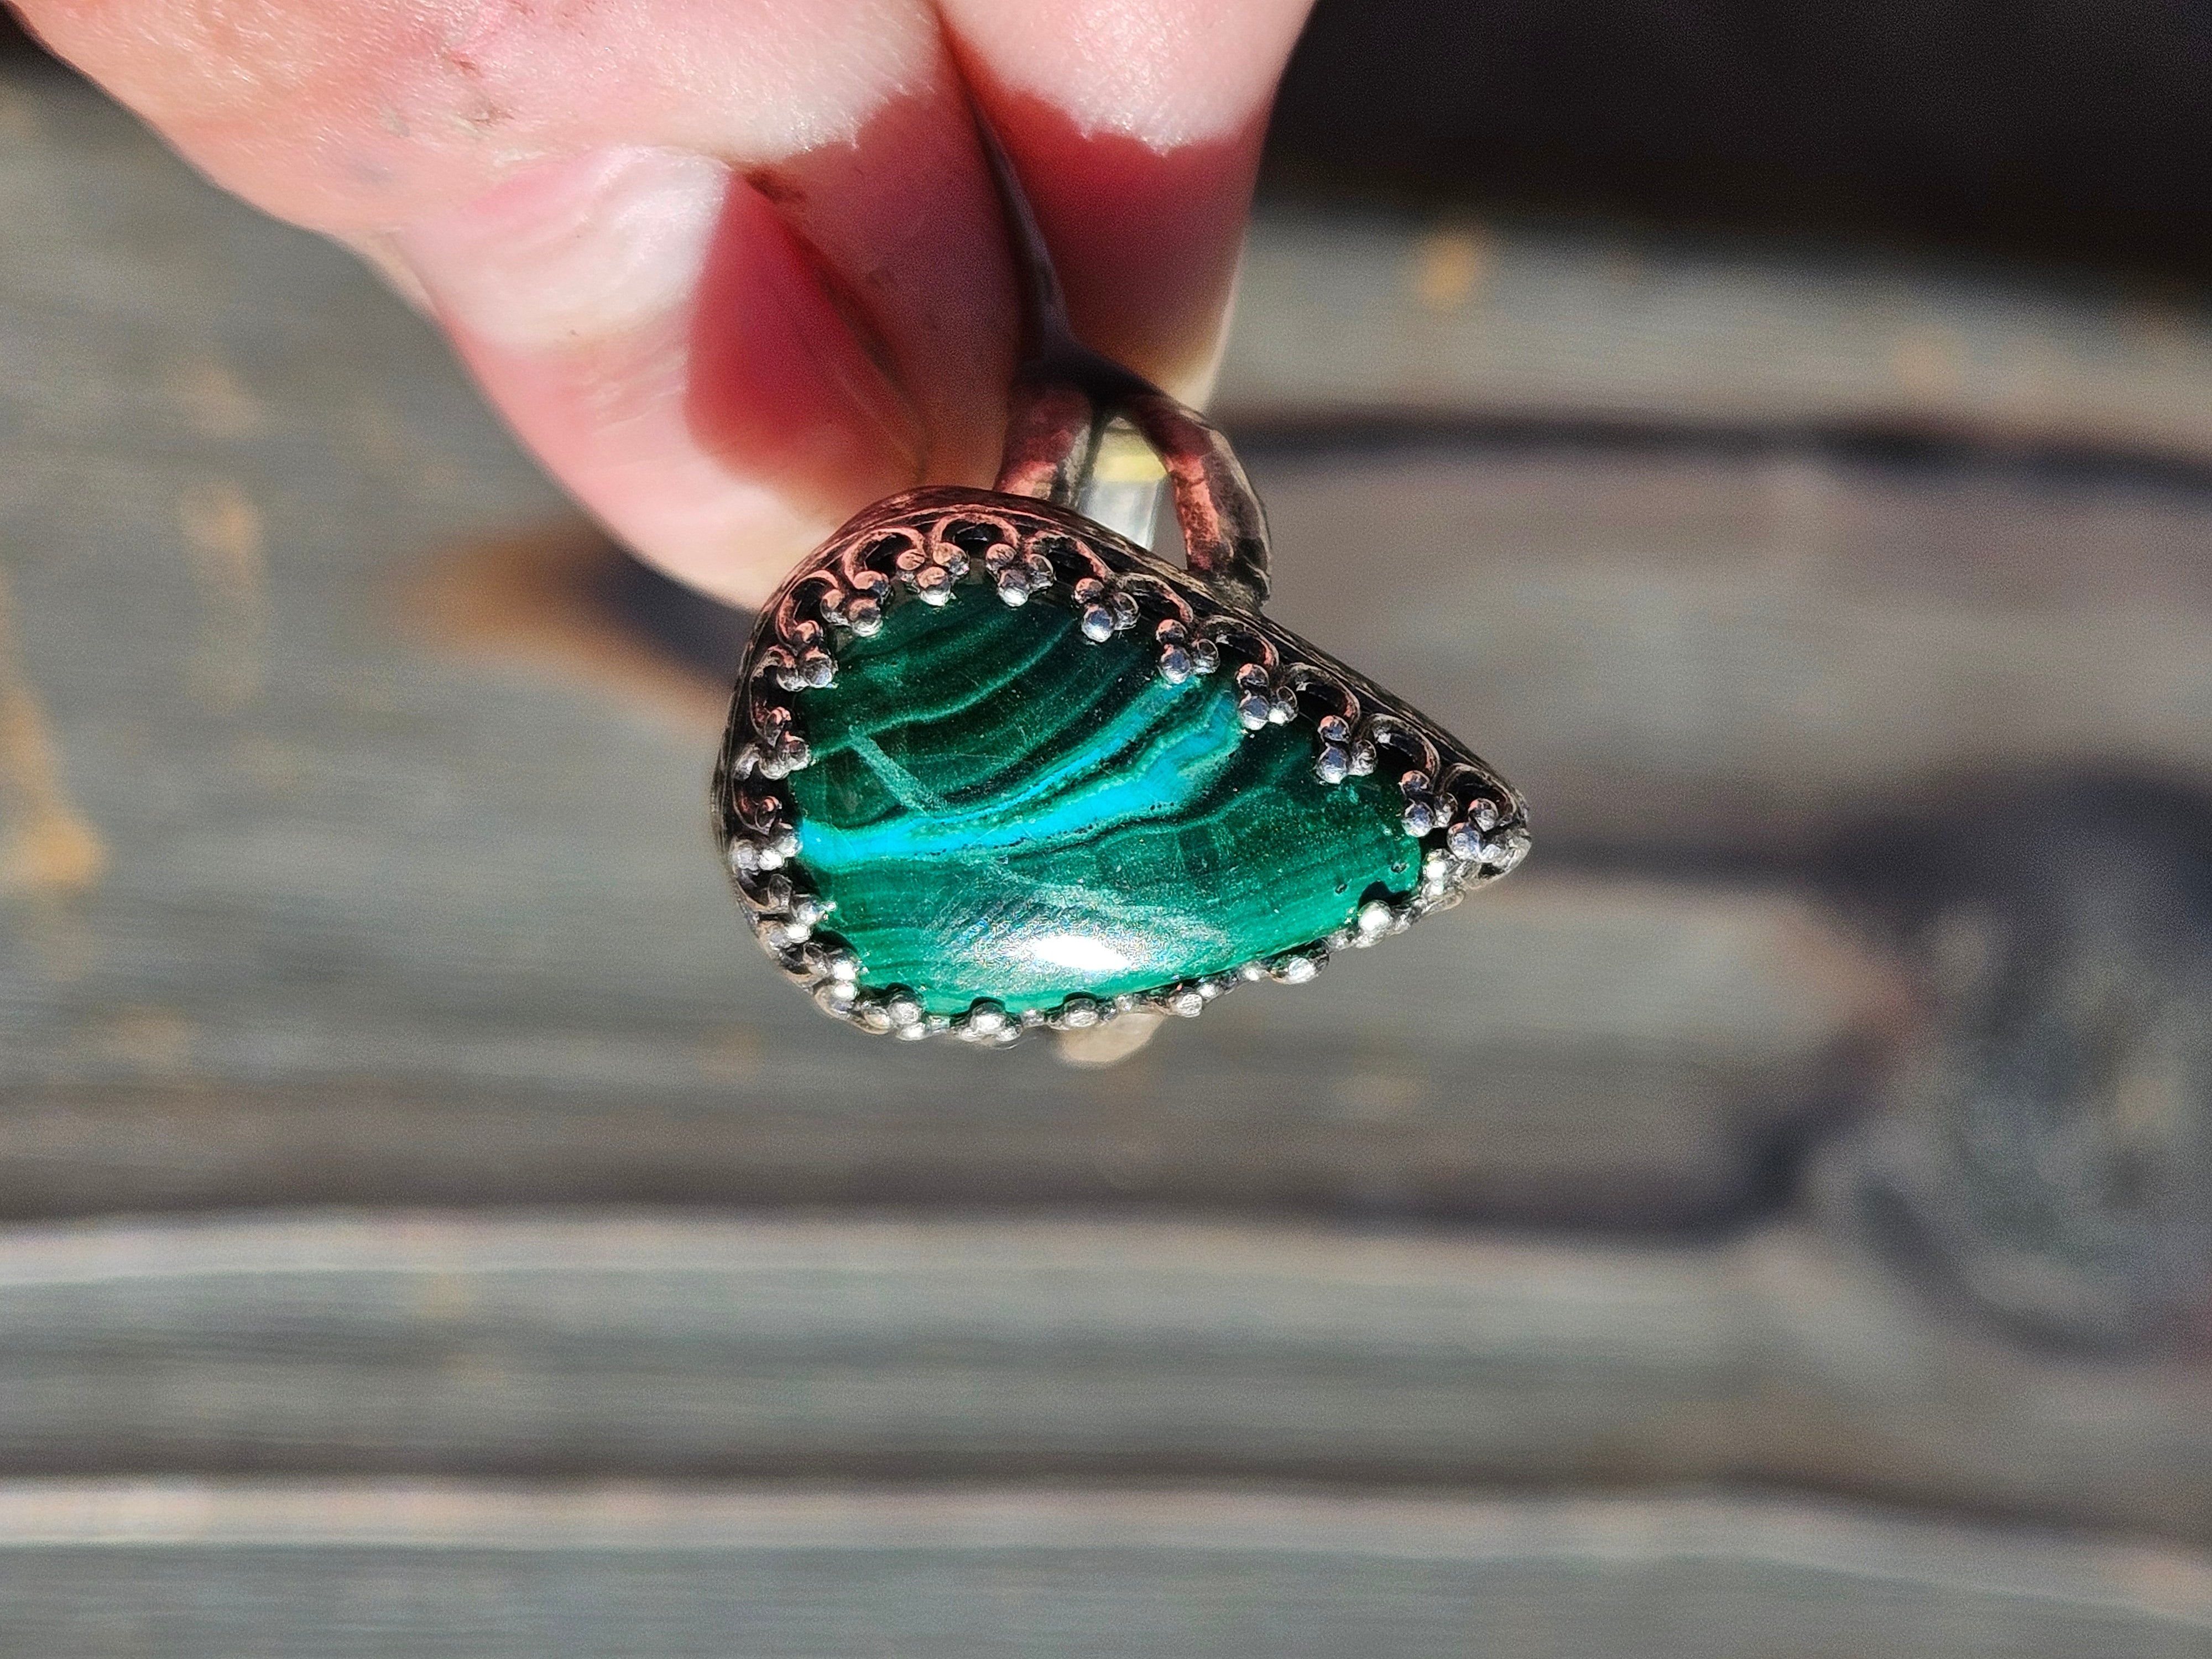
(992,767)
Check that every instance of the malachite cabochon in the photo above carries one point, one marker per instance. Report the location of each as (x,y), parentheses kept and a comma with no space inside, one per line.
(990,766)
(997,807)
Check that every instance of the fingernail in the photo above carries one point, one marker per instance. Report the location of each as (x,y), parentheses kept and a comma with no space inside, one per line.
(573,251)
(1163,73)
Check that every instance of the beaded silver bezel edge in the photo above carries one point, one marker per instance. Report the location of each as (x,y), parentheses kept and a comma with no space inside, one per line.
(923,547)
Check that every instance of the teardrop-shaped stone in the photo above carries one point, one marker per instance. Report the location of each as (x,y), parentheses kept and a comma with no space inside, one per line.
(998,806)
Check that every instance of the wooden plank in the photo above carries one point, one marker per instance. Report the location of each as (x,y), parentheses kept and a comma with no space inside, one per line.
(304,901)
(1681,651)
(645,1344)
(1351,311)
(218,1569)
(1635,1070)
(309,899)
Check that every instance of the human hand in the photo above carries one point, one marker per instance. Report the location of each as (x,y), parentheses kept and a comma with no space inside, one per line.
(733,268)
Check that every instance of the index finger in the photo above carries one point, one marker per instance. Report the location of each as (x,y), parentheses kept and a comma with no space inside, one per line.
(733,269)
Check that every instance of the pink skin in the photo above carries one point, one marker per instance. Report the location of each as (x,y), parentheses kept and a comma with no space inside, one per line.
(733,268)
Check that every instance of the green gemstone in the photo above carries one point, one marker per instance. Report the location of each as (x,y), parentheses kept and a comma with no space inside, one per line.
(999,807)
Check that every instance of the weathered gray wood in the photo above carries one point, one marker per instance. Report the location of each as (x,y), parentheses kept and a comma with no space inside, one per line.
(306,897)
(1345,313)
(1711,650)
(186,1570)
(645,1344)
(1632,1070)
(378,917)
(307,903)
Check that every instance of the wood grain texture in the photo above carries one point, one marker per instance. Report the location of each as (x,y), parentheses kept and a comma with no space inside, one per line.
(1683,650)
(329,1572)
(387,917)
(366,906)
(1344,312)
(668,1346)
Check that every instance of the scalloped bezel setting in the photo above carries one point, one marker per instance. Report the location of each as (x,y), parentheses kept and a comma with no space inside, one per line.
(941,546)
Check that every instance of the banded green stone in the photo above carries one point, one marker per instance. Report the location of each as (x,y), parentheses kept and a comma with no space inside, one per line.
(999,807)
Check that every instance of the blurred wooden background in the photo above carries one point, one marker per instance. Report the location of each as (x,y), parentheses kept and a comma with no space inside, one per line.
(431,1228)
